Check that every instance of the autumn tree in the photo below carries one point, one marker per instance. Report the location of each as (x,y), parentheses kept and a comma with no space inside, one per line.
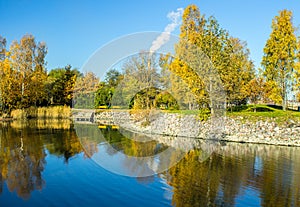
(9,87)
(280,54)
(85,89)
(254,89)
(69,80)
(177,94)
(28,58)
(297,71)
(206,54)
(230,57)
(39,76)
(238,71)
(272,92)
(2,47)
(191,34)
(23,73)
(140,75)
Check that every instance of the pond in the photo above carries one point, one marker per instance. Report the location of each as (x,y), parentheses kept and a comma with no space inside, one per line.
(58,163)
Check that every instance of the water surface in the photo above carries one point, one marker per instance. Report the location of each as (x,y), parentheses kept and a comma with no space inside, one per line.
(49,163)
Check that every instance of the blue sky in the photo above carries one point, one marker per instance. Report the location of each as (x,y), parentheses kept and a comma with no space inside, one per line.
(74,30)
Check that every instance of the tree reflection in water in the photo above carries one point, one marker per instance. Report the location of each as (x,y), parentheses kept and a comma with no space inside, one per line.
(23,148)
(228,173)
(270,173)
(23,160)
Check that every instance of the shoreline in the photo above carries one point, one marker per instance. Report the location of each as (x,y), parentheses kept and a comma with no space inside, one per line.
(225,129)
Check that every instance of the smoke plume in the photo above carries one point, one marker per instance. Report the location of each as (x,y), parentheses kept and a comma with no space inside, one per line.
(175,17)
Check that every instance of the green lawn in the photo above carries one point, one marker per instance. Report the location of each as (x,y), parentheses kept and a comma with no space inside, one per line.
(264,112)
(185,112)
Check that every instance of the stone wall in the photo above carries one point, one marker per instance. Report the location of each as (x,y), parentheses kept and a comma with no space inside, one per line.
(223,129)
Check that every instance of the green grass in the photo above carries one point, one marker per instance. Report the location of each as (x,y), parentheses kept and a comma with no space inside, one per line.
(184,112)
(264,113)
(271,113)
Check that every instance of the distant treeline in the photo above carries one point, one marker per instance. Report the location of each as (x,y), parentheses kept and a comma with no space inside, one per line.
(149,80)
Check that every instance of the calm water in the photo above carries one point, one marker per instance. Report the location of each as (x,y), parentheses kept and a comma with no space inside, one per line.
(49,163)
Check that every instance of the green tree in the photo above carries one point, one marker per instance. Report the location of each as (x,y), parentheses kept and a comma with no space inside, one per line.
(60,85)
(106,89)
(55,86)
(103,95)
(231,57)
(280,53)
(113,78)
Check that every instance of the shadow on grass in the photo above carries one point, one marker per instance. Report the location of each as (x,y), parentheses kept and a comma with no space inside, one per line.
(280,107)
(238,108)
(275,106)
(260,109)
(253,108)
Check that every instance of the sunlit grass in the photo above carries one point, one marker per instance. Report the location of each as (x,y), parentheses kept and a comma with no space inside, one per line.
(184,112)
(247,112)
(265,113)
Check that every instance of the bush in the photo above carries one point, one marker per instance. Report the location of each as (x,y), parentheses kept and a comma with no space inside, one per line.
(204,114)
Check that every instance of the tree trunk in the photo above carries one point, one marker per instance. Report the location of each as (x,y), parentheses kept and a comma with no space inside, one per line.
(284,97)
(284,104)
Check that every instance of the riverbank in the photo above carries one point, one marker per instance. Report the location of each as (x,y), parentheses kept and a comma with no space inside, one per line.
(230,129)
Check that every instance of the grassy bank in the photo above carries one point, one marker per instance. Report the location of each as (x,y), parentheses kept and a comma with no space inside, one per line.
(254,113)
(54,112)
(264,113)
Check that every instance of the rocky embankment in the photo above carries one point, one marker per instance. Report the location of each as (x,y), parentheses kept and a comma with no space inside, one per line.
(263,132)
(222,129)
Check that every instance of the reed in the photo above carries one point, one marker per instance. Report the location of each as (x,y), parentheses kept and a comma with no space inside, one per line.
(53,112)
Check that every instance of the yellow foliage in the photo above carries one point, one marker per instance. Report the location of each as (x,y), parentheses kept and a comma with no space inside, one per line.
(272,92)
